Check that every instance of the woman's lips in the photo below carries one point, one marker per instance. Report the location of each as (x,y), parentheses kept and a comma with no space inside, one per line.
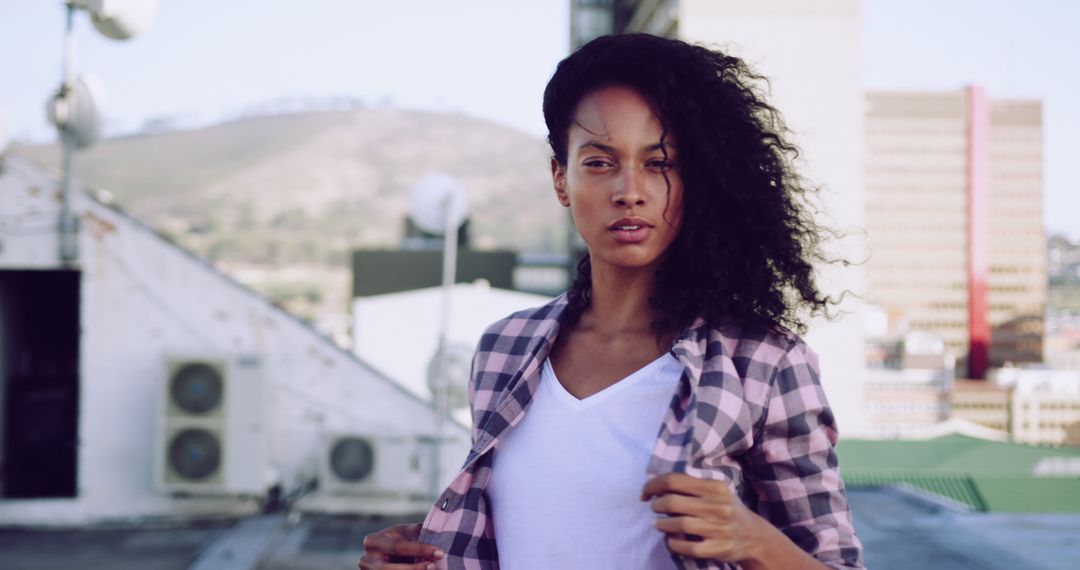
(626,234)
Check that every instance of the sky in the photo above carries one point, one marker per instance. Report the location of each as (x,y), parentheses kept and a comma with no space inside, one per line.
(204,61)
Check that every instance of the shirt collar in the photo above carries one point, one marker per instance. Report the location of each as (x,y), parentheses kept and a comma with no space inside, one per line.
(689,348)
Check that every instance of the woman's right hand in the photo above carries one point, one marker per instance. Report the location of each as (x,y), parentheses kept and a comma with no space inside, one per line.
(397,548)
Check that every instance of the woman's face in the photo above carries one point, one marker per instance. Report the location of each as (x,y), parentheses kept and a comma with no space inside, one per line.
(614,180)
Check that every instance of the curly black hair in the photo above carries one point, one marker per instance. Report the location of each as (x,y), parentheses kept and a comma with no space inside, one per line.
(748,241)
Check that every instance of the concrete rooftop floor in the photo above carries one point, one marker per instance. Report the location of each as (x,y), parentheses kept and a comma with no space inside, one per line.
(899,529)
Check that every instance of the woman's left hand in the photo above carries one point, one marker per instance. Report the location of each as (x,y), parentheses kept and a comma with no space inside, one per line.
(729,531)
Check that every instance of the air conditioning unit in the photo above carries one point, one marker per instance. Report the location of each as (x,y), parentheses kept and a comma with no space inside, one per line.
(212,437)
(376,465)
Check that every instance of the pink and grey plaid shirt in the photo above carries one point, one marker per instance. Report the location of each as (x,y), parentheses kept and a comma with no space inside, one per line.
(749,410)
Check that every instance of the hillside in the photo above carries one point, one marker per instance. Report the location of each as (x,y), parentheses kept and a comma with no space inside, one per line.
(279,201)
(306,188)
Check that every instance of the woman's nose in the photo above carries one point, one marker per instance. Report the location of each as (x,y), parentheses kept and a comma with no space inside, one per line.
(629,189)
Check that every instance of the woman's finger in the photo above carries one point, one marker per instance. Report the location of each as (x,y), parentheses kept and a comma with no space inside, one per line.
(683,484)
(667,483)
(396,548)
(366,564)
(690,525)
(696,549)
(415,550)
(408,566)
(676,505)
(391,542)
(409,531)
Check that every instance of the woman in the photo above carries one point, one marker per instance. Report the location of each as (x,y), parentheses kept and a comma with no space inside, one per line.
(661,414)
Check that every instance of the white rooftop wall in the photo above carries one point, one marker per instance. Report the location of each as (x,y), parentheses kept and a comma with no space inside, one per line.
(398,333)
(143,298)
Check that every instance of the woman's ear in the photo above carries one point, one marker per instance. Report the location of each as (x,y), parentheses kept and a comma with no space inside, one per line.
(558,179)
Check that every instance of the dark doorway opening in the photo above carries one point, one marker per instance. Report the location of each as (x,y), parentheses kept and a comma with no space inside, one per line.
(39,383)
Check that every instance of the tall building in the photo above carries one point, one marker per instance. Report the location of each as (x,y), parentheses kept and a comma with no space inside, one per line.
(954,221)
(786,41)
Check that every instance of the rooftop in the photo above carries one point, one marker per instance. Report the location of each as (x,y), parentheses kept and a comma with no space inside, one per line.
(900,529)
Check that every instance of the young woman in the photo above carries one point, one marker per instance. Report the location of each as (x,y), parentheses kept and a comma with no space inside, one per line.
(662,413)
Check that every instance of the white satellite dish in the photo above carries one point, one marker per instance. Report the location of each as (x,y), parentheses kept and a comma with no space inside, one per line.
(81,112)
(431,196)
(87,118)
(122,19)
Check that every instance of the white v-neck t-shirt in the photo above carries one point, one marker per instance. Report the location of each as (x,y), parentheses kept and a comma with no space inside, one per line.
(566,482)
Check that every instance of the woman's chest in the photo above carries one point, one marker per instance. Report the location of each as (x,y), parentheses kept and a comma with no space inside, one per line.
(586,364)
(656,420)
(612,430)
(565,483)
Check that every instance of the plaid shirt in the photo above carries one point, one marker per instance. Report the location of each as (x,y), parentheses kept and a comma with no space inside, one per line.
(748,410)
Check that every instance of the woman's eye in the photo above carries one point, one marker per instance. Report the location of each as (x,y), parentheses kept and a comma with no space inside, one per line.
(596,163)
(660,164)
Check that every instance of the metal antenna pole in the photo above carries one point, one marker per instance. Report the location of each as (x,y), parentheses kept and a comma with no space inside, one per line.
(69,222)
(450,246)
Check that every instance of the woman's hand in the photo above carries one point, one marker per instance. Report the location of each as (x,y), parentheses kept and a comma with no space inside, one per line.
(728,530)
(705,508)
(397,548)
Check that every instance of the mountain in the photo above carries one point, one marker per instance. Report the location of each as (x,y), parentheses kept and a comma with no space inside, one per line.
(306,188)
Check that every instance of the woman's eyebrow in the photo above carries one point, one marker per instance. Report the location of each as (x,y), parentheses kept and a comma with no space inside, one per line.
(612,150)
(598,145)
(660,146)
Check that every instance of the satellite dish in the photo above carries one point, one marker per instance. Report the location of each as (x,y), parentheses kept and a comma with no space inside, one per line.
(458,366)
(122,19)
(431,195)
(81,112)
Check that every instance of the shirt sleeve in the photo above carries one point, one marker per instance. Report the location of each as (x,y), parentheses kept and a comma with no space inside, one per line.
(794,470)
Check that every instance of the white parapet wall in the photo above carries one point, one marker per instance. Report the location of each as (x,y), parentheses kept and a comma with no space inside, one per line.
(380,321)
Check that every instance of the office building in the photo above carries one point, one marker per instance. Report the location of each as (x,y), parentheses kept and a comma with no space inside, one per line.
(954,221)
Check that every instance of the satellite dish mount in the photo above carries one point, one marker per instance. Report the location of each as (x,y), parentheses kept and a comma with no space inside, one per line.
(77,107)
(440,206)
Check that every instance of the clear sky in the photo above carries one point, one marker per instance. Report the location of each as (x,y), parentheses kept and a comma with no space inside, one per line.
(205,60)
(1027,49)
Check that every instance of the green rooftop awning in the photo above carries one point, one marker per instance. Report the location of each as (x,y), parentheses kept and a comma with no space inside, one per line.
(985,475)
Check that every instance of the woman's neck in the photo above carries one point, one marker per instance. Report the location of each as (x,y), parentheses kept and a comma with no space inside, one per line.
(619,302)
